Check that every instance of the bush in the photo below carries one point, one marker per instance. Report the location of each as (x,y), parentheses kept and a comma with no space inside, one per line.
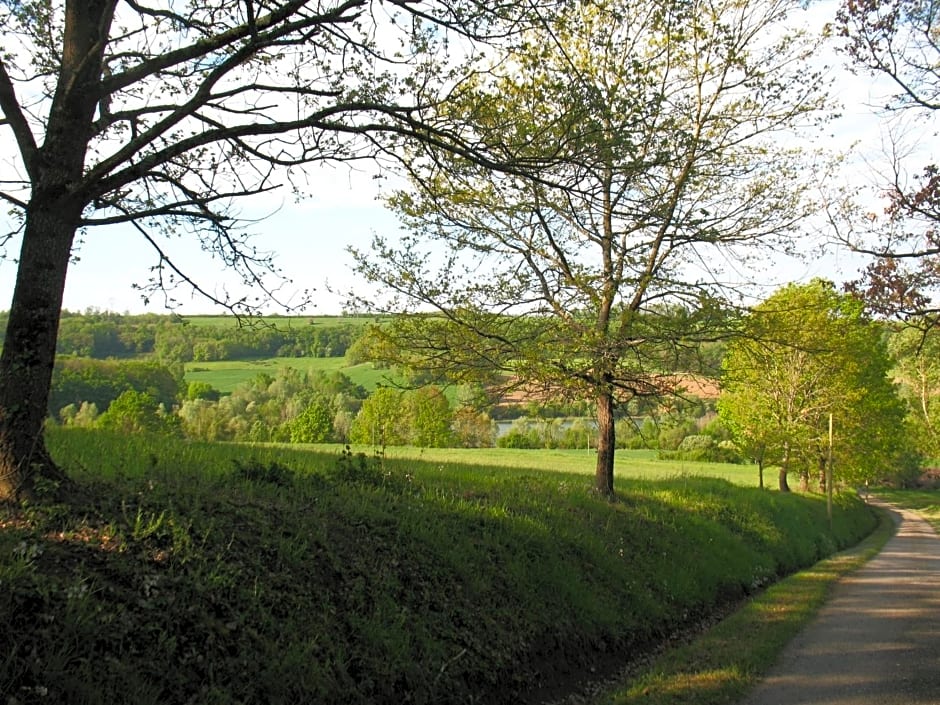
(519,439)
(272,473)
(702,448)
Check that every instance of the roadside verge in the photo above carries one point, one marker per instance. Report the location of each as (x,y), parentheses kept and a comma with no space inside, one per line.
(720,665)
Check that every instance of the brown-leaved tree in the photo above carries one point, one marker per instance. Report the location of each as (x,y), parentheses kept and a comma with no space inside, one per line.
(898,42)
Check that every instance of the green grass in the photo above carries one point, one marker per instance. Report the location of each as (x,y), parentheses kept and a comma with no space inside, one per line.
(720,666)
(225,375)
(185,572)
(640,464)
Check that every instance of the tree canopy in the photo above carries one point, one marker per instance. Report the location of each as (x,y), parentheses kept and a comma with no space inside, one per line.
(657,124)
(805,354)
(163,116)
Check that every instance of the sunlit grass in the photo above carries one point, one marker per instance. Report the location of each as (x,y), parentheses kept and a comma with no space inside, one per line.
(225,375)
(627,463)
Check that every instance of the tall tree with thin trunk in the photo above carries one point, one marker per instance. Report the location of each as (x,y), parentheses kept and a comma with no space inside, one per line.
(163,115)
(661,124)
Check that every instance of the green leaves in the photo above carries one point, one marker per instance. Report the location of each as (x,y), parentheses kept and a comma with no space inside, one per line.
(806,353)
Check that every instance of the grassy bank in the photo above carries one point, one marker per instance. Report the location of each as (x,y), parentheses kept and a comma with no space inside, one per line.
(217,574)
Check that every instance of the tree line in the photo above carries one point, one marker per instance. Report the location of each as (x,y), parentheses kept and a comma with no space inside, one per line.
(103,335)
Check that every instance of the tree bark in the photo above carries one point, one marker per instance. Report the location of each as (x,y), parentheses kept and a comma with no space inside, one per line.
(804,480)
(29,348)
(784,469)
(53,215)
(606,444)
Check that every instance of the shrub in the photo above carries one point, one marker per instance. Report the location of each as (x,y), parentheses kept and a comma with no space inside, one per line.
(702,448)
(273,473)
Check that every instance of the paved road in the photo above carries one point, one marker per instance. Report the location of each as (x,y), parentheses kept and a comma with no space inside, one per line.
(877,641)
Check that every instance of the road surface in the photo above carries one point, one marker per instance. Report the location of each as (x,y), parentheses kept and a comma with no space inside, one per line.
(877,641)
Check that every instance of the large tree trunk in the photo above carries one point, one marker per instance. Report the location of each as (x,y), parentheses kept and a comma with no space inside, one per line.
(53,215)
(606,444)
(29,348)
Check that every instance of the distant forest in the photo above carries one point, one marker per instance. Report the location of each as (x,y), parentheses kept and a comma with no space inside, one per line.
(103,335)
(128,373)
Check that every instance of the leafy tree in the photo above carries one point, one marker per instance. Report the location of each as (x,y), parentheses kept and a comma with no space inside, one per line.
(428,417)
(202,390)
(76,380)
(204,420)
(162,115)
(267,408)
(897,40)
(749,418)
(380,420)
(473,428)
(85,415)
(137,412)
(313,425)
(803,354)
(916,355)
(659,122)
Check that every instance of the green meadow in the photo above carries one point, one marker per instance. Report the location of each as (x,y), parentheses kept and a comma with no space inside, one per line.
(225,375)
(182,572)
(639,464)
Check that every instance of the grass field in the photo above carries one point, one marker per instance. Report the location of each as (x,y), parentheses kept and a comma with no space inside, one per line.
(225,375)
(637,464)
(182,572)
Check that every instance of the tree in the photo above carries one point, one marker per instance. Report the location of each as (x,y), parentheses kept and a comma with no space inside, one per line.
(313,425)
(428,417)
(380,420)
(659,122)
(76,380)
(473,428)
(750,420)
(806,353)
(163,115)
(897,40)
(916,356)
(138,412)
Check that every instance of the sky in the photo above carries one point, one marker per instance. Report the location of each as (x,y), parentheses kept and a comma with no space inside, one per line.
(310,238)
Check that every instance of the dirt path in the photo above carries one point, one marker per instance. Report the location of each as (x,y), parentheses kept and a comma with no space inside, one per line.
(877,641)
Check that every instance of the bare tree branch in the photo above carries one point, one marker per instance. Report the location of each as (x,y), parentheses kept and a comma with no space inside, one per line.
(17,121)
